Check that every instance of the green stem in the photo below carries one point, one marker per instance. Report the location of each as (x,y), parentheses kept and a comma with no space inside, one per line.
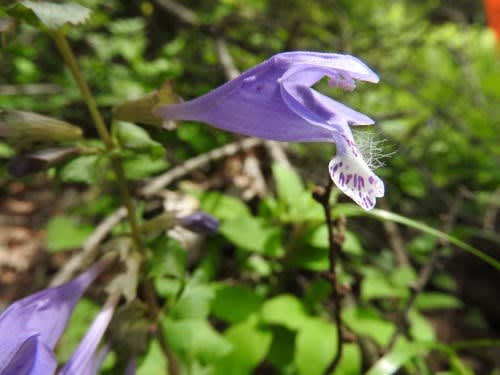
(127,201)
(70,59)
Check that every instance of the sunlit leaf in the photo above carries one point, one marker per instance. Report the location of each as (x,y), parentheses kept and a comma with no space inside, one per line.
(250,343)
(235,303)
(54,15)
(64,233)
(315,346)
(286,310)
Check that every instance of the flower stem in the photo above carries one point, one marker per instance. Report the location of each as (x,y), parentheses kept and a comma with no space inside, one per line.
(70,59)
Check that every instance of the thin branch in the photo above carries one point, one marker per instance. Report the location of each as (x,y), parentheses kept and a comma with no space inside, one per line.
(322,195)
(183,13)
(158,183)
(90,248)
(30,89)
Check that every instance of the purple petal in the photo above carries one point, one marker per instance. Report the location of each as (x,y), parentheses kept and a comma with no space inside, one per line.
(314,106)
(345,64)
(43,315)
(31,358)
(83,360)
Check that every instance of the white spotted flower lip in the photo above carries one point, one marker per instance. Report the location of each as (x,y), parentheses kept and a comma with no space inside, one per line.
(274,100)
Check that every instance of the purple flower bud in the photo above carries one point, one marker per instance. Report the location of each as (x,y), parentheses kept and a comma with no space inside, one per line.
(274,100)
(31,327)
(200,222)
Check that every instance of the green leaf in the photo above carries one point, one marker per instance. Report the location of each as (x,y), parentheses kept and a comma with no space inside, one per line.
(6,151)
(154,361)
(315,346)
(402,353)
(234,303)
(350,363)
(194,303)
(366,321)
(403,277)
(223,206)
(53,15)
(251,344)
(285,310)
(63,233)
(140,166)
(299,203)
(437,301)
(420,328)
(196,339)
(282,351)
(133,137)
(82,169)
(318,237)
(288,184)
(253,234)
(169,258)
(377,284)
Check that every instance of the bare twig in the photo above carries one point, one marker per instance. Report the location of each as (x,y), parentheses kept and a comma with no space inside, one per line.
(183,13)
(225,59)
(425,275)
(322,195)
(158,183)
(90,248)
(30,89)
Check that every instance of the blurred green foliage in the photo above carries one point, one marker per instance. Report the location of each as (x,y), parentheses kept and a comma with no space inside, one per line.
(254,301)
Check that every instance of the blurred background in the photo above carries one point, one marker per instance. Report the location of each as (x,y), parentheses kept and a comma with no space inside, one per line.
(436,144)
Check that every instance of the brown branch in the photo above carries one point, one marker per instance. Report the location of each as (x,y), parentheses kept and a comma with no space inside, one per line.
(322,195)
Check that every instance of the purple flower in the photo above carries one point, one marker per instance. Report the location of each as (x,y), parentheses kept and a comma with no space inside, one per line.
(31,327)
(274,100)
(200,222)
(85,361)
